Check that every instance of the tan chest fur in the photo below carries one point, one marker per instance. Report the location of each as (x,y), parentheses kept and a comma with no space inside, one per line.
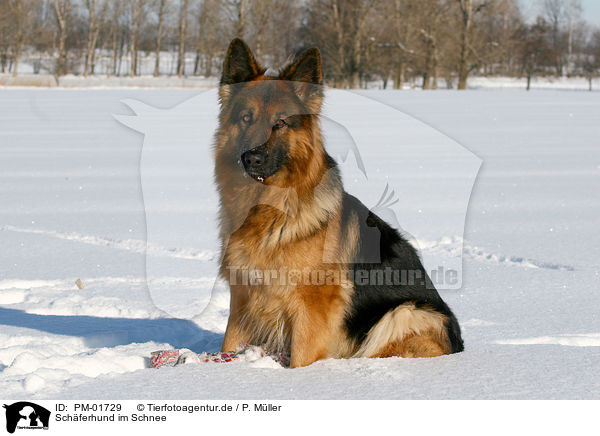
(272,277)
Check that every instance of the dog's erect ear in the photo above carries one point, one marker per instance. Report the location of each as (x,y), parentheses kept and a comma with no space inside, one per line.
(240,65)
(306,68)
(307,76)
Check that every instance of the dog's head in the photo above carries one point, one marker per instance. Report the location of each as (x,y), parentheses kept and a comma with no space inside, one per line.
(268,123)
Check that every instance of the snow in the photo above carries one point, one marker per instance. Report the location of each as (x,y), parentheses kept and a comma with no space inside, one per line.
(73,206)
(549,82)
(72,81)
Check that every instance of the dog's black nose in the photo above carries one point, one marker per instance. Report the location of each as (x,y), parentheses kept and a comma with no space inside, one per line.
(253,158)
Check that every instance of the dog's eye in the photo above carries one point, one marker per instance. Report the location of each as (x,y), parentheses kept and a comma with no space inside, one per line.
(279,123)
(247,118)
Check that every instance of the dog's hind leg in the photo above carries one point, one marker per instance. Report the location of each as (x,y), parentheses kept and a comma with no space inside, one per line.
(413,346)
(407,331)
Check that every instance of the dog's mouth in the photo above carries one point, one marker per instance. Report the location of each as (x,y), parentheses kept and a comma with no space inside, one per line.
(256,176)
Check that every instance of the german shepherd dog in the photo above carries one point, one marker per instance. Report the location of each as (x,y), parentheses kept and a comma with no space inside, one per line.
(285,219)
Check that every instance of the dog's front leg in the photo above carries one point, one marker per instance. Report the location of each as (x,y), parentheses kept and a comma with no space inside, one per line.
(235,333)
(314,325)
(309,343)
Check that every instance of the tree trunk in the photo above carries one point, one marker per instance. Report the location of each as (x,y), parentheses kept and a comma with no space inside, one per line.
(339,28)
(197,63)
(121,51)
(135,22)
(18,11)
(402,25)
(355,62)
(161,16)
(113,61)
(399,76)
(354,80)
(182,30)
(570,46)
(208,66)
(93,61)
(434,67)
(466,8)
(112,68)
(92,35)
(61,9)
(17,55)
(100,23)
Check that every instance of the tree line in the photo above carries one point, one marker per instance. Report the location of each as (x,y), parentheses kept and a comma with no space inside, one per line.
(432,43)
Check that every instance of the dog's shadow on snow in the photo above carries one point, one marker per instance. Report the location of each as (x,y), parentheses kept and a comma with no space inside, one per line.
(109,332)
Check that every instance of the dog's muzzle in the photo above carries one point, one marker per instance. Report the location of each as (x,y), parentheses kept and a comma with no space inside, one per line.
(255,161)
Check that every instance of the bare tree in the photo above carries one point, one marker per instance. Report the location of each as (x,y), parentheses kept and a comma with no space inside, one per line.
(116,7)
(19,12)
(589,60)
(340,34)
(535,50)
(236,9)
(92,34)
(260,14)
(341,28)
(396,38)
(359,18)
(134,31)
(183,7)
(95,19)
(41,36)
(573,11)
(510,22)
(159,32)
(62,11)
(210,39)
(555,12)
(5,32)
(467,11)
(404,26)
(431,30)
(270,27)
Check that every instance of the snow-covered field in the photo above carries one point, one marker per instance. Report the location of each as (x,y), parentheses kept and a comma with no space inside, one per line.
(72,81)
(72,207)
(557,83)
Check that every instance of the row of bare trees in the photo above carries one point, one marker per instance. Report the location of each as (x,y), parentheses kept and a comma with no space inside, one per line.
(390,41)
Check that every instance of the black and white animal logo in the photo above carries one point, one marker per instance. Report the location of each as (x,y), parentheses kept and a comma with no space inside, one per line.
(26,415)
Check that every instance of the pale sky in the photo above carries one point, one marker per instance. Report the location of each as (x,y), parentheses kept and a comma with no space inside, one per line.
(591,9)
